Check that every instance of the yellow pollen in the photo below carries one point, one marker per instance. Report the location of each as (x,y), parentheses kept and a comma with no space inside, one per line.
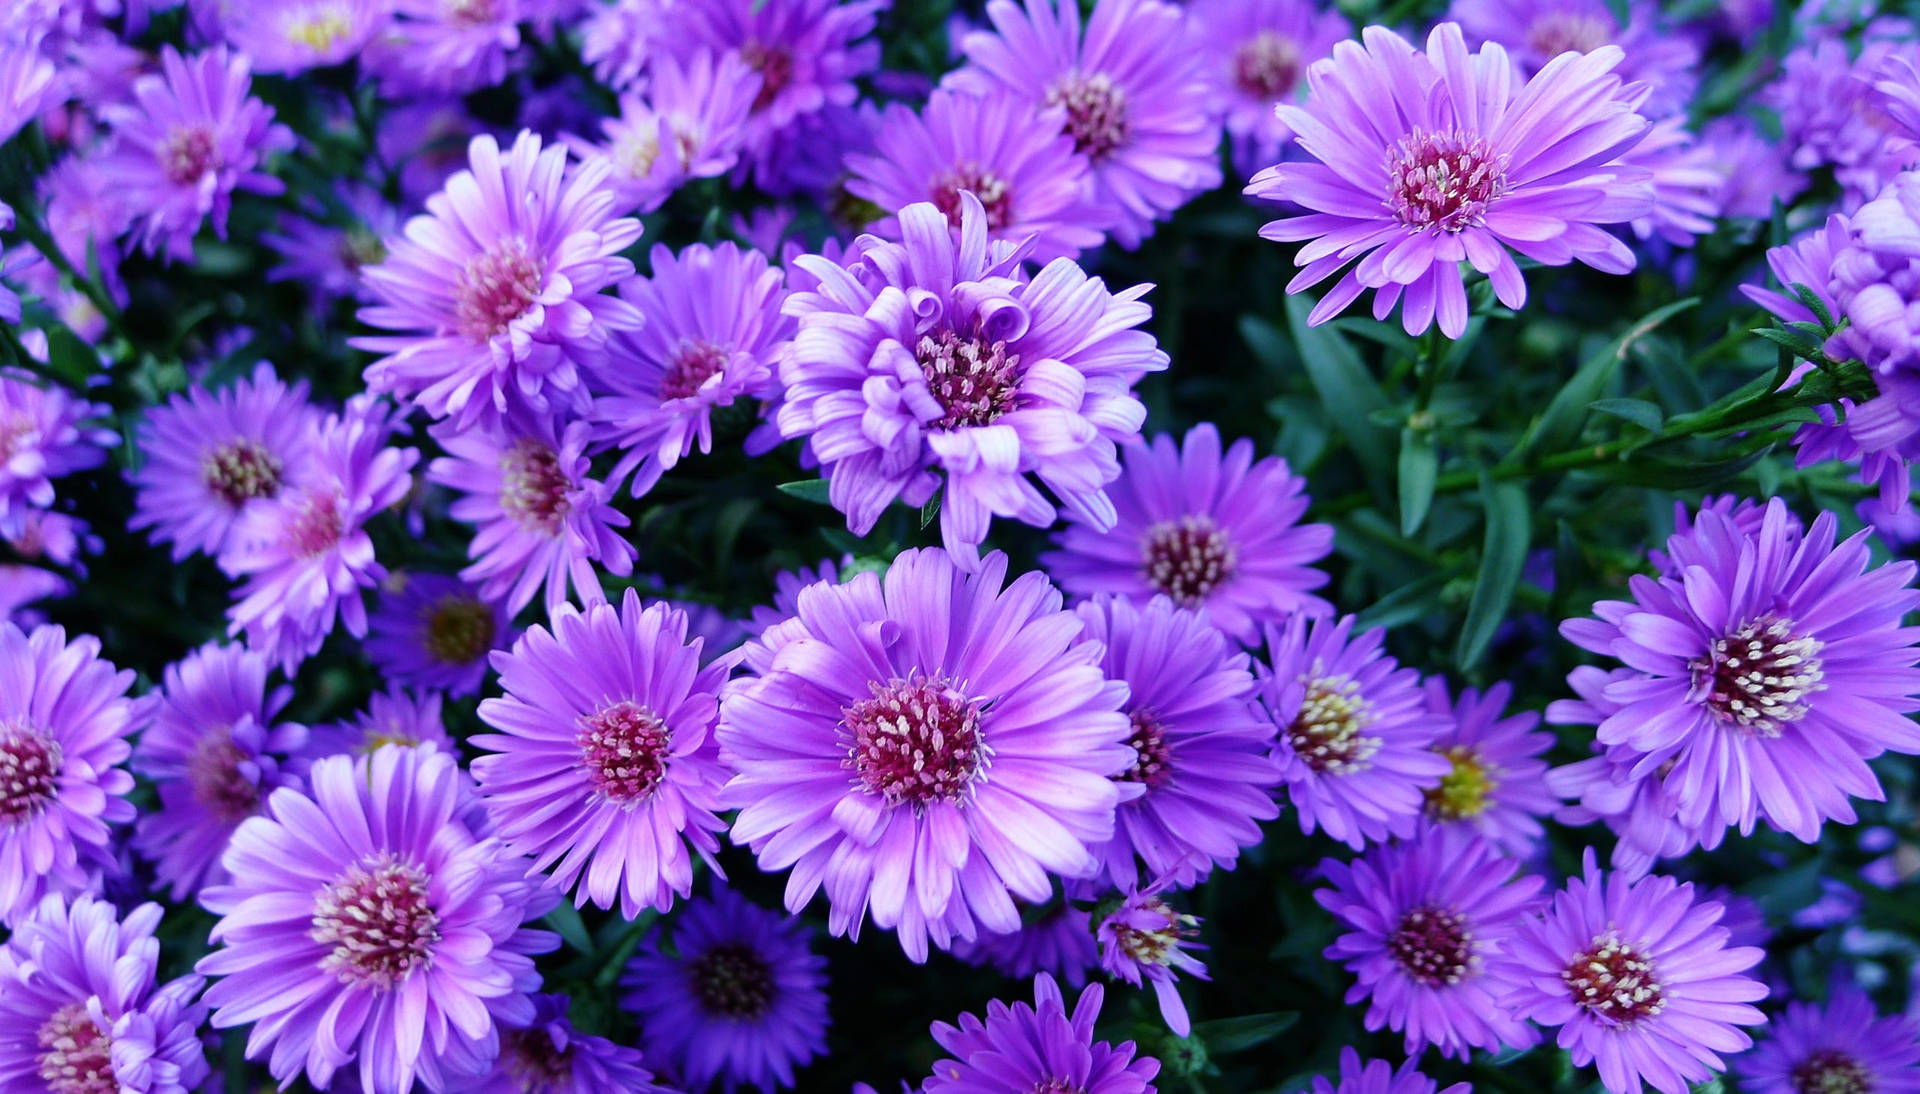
(1464,791)
(320,31)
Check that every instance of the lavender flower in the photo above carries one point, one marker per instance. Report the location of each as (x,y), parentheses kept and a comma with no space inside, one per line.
(45,433)
(1379,1077)
(393,717)
(1137,110)
(1639,978)
(326,248)
(1496,787)
(1688,180)
(1831,115)
(930,365)
(1537,31)
(1844,1045)
(689,125)
(1037,1047)
(550,1056)
(293,36)
(1212,531)
(27,81)
(447,46)
(1423,920)
(495,292)
(983,722)
(1058,942)
(366,914)
(434,631)
(1146,940)
(1256,54)
(740,999)
(1424,160)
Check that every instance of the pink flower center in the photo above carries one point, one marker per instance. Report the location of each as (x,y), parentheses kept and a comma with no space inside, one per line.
(1615,981)
(533,488)
(1267,66)
(1759,677)
(220,784)
(775,66)
(974,380)
(694,362)
(1096,112)
(995,195)
(314,525)
(460,629)
(918,739)
(1187,558)
(624,750)
(1445,180)
(1434,946)
(1830,1072)
(1558,32)
(496,288)
(534,1062)
(240,470)
(379,921)
(1150,751)
(472,13)
(76,1055)
(1329,733)
(29,773)
(732,981)
(188,153)
(18,433)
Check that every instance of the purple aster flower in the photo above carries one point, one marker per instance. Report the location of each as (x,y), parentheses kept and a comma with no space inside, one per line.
(1424,160)
(192,136)
(368,922)
(689,125)
(214,753)
(1423,920)
(1136,109)
(1021,165)
(293,36)
(806,161)
(713,333)
(1754,166)
(931,365)
(495,291)
(427,139)
(1379,1077)
(325,248)
(618,41)
(1058,942)
(1536,31)
(787,585)
(86,214)
(1639,978)
(393,717)
(1145,940)
(1021,1048)
(21,586)
(26,83)
(740,998)
(1831,115)
(305,555)
(1897,82)
(1766,676)
(981,735)
(81,1012)
(1201,751)
(1688,180)
(206,454)
(540,521)
(45,433)
(550,1056)
(1356,741)
(1876,281)
(1496,787)
(446,46)
(1219,533)
(1746,514)
(64,722)
(1842,1046)
(434,631)
(1255,55)
(605,760)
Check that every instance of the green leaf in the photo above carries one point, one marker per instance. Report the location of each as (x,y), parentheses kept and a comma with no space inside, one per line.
(71,358)
(1682,473)
(1638,411)
(814,490)
(1416,599)
(1346,389)
(931,510)
(1813,304)
(1793,341)
(1502,556)
(1558,426)
(1228,1035)
(565,920)
(1419,467)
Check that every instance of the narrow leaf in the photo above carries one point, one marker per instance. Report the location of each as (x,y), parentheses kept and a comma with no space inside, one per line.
(1229,1035)
(565,920)
(1558,426)
(1502,556)
(1638,411)
(814,490)
(1419,466)
(1346,390)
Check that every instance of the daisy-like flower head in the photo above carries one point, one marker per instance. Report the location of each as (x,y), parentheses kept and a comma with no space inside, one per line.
(26,83)
(1422,161)
(1037,1047)
(80,1010)
(1356,740)
(192,135)
(1876,280)
(293,36)
(540,521)
(1765,676)
(714,330)
(86,214)
(1422,920)
(214,753)
(1022,167)
(1832,115)
(1534,32)
(447,47)
(324,248)
(617,40)
(786,591)
(1842,1046)
(495,291)
(304,556)
(64,721)
(1639,978)
(739,999)
(550,1056)
(1215,532)
(1255,54)
(1496,786)
(1135,108)
(1202,753)
(1379,1077)
(1688,181)
(690,124)
(1145,941)
(1897,83)
(206,454)
(366,914)
(392,717)
(928,745)
(933,364)
(1753,167)
(605,761)
(1059,943)
(432,631)
(45,433)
